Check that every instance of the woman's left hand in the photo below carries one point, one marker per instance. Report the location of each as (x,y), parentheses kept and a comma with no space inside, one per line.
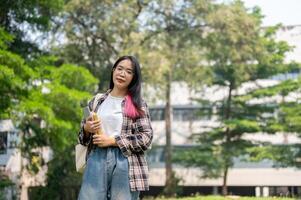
(103,140)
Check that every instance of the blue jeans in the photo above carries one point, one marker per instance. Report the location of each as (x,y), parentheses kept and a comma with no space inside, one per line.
(106,176)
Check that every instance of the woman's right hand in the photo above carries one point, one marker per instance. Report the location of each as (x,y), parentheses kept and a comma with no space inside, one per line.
(92,126)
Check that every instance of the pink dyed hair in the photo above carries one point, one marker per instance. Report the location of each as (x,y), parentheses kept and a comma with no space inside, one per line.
(130,109)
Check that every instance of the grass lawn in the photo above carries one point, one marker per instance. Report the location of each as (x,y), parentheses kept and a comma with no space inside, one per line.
(221,198)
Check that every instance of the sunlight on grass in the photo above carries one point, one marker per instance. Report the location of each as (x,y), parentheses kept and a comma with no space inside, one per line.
(221,198)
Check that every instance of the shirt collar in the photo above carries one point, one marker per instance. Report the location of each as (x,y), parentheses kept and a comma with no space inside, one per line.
(105,95)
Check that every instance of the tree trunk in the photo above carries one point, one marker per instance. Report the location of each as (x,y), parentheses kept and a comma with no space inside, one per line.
(168,147)
(226,158)
(229,101)
(225,176)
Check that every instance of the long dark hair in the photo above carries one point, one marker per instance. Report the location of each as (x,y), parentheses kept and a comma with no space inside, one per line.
(133,100)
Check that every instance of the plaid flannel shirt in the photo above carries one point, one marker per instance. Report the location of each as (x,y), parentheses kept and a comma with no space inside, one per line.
(135,138)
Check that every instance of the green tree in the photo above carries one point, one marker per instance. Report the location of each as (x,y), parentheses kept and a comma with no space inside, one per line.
(43,99)
(170,53)
(238,51)
(97,33)
(51,116)
(14,76)
(283,117)
(24,18)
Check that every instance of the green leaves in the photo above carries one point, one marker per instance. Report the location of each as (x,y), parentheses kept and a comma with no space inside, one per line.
(205,157)
(239,127)
(5,39)
(15,78)
(98,32)
(8,84)
(283,89)
(56,102)
(44,100)
(232,43)
(24,20)
(77,78)
(282,155)
(16,63)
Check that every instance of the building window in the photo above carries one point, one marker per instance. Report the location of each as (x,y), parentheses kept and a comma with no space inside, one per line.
(157,114)
(3,142)
(190,114)
(13,144)
(182,114)
(156,155)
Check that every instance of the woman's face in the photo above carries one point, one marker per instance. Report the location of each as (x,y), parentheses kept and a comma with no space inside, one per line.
(123,74)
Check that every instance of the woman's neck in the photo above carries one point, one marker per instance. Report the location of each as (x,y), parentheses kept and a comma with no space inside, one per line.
(118,93)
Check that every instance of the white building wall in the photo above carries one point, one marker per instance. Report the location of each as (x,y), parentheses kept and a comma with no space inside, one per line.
(292,35)
(236,177)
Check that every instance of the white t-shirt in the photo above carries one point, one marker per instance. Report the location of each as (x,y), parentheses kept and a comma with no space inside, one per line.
(110,114)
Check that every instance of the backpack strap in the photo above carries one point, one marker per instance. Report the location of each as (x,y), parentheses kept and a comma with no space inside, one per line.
(96,99)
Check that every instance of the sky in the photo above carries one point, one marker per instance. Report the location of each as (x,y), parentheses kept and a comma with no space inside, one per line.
(287,12)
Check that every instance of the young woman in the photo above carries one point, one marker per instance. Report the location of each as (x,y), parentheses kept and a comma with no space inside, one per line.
(116,167)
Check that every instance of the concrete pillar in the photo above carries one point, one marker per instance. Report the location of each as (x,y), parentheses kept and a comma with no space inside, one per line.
(257,191)
(265,191)
(24,193)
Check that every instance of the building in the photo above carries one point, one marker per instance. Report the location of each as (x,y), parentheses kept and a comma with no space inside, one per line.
(12,164)
(8,142)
